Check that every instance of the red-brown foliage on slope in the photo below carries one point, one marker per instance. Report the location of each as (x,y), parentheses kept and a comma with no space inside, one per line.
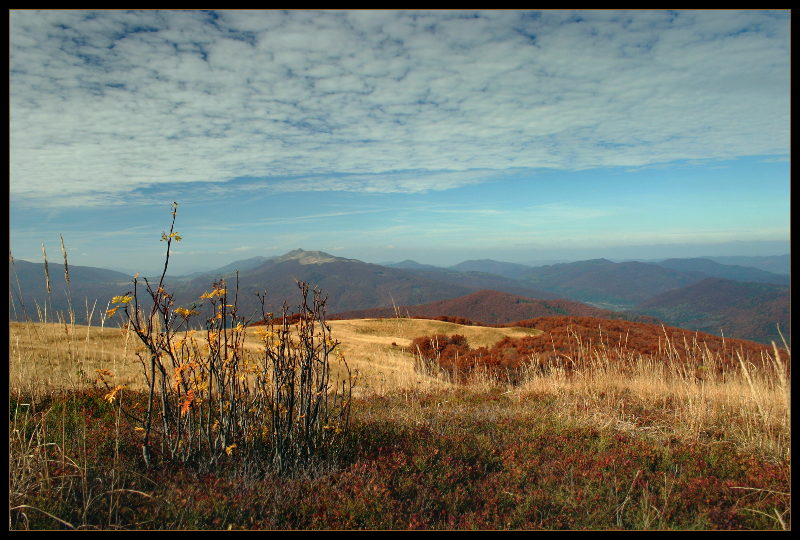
(490,307)
(576,342)
(453,355)
(566,333)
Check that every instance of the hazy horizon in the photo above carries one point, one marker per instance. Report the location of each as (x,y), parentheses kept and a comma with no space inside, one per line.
(438,136)
(531,262)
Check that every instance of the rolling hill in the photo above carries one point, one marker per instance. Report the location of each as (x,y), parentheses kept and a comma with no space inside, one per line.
(349,284)
(408,264)
(489,266)
(490,307)
(733,308)
(728,271)
(476,281)
(777,264)
(31,275)
(606,283)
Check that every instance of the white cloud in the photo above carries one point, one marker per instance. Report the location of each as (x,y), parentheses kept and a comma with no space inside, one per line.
(103,103)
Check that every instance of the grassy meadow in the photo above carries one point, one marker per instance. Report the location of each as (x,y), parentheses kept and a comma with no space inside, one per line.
(623,443)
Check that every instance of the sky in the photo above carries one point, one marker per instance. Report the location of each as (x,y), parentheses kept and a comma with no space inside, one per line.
(382,135)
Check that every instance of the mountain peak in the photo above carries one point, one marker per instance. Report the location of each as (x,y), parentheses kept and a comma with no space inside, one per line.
(308,257)
(294,252)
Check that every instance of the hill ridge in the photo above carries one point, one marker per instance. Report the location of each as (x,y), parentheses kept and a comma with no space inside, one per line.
(489,307)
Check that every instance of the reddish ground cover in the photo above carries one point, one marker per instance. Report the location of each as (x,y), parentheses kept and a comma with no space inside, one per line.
(572,342)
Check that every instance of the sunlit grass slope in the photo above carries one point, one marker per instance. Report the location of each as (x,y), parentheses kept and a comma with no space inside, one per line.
(376,348)
(45,356)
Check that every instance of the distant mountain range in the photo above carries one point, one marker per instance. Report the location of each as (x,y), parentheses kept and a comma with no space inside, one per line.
(773,264)
(742,300)
(408,264)
(608,284)
(777,264)
(347,283)
(722,306)
(727,271)
(505,269)
(493,307)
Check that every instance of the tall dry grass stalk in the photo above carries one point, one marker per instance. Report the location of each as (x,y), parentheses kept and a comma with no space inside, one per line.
(19,289)
(71,310)
(77,352)
(47,283)
(45,356)
(682,389)
(53,480)
(666,397)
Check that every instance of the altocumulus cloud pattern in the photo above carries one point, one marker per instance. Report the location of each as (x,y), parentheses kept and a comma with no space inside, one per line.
(380,101)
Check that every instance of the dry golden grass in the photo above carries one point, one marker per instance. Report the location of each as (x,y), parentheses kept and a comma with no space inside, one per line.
(45,356)
(751,407)
(48,356)
(375,348)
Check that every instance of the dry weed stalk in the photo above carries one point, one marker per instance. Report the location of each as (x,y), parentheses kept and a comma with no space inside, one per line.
(208,398)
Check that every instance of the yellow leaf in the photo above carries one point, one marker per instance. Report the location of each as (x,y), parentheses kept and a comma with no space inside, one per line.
(111,396)
(229,449)
(110,312)
(121,299)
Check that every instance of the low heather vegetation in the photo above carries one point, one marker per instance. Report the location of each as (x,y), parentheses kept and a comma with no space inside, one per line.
(456,459)
(573,344)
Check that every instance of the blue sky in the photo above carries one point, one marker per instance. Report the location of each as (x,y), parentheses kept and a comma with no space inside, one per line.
(385,135)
